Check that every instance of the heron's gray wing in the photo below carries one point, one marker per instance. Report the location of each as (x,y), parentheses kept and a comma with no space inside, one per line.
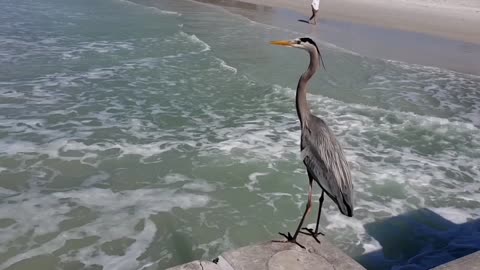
(325,161)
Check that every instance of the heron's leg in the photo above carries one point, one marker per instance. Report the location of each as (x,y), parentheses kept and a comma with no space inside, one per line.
(310,231)
(320,202)
(313,14)
(293,238)
(307,209)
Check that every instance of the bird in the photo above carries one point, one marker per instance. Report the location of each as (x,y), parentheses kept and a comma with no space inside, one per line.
(321,152)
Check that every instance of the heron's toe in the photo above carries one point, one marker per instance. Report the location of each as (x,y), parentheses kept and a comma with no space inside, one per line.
(290,239)
(312,233)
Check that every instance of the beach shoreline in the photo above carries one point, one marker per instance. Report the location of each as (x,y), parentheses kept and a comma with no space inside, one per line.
(380,42)
(451,19)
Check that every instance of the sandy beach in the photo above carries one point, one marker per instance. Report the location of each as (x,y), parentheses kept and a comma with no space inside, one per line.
(454,19)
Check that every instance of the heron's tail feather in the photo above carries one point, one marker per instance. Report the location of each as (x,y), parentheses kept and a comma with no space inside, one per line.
(346,207)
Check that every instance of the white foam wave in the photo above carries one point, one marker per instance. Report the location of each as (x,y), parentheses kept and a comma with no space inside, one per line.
(254,181)
(127,261)
(455,215)
(44,214)
(204,47)
(124,148)
(222,243)
(225,66)
(270,198)
(161,11)
(423,119)
(188,183)
(6,192)
(196,40)
(174,178)
(151,8)
(371,246)
(98,178)
(99,46)
(199,185)
(430,69)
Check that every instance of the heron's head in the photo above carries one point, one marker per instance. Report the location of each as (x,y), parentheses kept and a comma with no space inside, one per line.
(304,43)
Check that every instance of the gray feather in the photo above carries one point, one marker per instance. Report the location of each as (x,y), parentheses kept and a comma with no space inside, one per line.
(326,163)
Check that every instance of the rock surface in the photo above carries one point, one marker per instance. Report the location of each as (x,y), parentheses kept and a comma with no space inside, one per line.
(280,256)
(469,262)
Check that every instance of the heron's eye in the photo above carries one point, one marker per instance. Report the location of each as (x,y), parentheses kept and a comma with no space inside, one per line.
(298,41)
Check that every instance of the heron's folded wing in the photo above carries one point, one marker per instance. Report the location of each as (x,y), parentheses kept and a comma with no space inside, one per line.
(324,158)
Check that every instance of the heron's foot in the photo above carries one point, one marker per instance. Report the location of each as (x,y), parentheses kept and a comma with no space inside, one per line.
(312,233)
(289,239)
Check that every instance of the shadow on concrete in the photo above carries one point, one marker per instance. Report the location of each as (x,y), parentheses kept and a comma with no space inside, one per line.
(420,239)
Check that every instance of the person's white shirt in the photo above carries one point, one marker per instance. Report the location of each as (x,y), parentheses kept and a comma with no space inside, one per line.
(316,4)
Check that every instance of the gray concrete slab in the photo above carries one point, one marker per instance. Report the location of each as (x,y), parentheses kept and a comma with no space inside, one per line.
(469,262)
(281,256)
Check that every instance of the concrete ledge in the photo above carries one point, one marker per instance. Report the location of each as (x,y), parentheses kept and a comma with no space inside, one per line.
(280,256)
(469,262)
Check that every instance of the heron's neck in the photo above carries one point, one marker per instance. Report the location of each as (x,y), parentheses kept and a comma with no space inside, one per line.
(303,110)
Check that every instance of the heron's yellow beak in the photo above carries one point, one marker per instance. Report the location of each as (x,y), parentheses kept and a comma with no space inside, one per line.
(286,43)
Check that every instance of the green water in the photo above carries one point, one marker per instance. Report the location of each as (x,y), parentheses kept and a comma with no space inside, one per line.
(139,137)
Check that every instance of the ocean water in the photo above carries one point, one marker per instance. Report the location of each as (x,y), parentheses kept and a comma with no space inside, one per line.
(141,135)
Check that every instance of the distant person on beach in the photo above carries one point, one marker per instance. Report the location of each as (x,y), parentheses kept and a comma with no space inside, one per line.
(315,7)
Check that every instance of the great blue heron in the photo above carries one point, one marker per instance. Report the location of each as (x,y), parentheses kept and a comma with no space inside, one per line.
(321,153)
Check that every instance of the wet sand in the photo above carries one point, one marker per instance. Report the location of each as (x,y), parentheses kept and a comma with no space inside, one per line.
(372,41)
(453,19)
